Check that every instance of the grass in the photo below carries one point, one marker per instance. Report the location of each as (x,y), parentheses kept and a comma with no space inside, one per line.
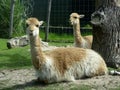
(18,58)
(3,44)
(61,38)
(14,58)
(57,37)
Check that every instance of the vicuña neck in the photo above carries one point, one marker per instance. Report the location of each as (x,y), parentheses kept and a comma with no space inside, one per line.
(35,41)
(77,34)
(36,51)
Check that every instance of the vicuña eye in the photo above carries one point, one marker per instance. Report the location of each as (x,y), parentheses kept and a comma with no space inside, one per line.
(75,17)
(37,25)
(27,25)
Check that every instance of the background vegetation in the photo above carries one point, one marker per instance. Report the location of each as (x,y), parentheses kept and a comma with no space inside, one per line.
(20,14)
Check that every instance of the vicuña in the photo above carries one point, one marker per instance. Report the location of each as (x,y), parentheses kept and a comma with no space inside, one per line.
(62,64)
(79,40)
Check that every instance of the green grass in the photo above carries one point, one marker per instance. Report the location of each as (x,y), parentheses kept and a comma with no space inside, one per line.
(53,37)
(18,58)
(14,58)
(60,38)
(3,44)
(57,37)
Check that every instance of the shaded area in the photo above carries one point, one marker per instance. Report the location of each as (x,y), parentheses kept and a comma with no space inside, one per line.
(26,85)
(34,85)
(96,83)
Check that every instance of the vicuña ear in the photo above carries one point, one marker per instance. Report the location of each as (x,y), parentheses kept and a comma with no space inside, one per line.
(41,22)
(82,16)
(27,21)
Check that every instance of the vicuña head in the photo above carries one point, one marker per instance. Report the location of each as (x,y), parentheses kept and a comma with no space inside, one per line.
(62,64)
(74,18)
(79,40)
(33,26)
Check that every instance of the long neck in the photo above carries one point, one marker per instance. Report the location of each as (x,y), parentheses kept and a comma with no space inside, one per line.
(77,34)
(36,51)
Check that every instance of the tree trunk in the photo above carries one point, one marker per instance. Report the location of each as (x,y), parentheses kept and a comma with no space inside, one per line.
(98,3)
(11,17)
(106,32)
(48,19)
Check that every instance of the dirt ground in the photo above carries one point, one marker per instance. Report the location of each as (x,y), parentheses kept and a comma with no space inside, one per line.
(26,77)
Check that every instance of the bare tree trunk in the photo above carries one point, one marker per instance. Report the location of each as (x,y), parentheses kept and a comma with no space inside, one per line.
(48,19)
(106,32)
(11,18)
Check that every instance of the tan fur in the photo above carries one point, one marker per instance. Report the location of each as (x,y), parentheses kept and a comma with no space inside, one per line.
(37,55)
(66,57)
(63,64)
(32,21)
(89,39)
(80,41)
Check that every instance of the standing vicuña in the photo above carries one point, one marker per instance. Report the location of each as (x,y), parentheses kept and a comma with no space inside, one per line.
(79,40)
(62,64)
